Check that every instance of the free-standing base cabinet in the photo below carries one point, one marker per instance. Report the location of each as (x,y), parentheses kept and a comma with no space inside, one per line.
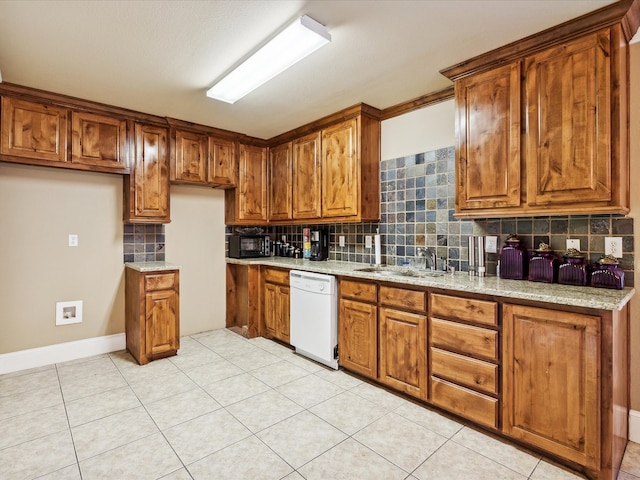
(152,317)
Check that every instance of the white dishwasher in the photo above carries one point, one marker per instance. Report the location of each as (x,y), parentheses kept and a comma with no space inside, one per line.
(314,316)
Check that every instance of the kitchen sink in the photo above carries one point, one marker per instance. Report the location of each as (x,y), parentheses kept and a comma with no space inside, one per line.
(388,272)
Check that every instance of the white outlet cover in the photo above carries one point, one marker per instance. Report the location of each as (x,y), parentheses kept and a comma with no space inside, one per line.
(367,241)
(573,243)
(613,246)
(65,312)
(491,244)
(73,240)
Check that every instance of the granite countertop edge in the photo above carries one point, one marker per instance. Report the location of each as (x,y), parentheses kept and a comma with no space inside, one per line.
(152,266)
(576,296)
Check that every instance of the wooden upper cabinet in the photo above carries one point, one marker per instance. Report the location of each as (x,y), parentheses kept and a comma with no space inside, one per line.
(222,163)
(147,188)
(340,170)
(280,182)
(568,98)
(573,98)
(34,130)
(488,150)
(99,140)
(189,157)
(251,192)
(306,175)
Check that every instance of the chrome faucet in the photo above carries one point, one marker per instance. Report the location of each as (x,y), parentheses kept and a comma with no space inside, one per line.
(429,257)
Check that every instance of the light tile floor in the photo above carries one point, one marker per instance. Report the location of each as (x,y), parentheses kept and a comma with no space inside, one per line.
(230,408)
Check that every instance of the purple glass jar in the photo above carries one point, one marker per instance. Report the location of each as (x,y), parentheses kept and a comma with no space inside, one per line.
(573,270)
(607,274)
(513,259)
(543,265)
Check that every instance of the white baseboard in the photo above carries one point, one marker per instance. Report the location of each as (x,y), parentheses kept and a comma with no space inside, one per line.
(61,352)
(634,426)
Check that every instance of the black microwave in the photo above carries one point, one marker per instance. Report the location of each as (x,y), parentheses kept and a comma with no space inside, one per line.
(249,246)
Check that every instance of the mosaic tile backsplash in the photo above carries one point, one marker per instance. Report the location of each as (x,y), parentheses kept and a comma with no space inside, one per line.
(417,203)
(143,243)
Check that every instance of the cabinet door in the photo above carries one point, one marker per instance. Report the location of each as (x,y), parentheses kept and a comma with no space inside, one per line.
(282,320)
(551,381)
(160,327)
(252,184)
(271,308)
(403,351)
(33,130)
(98,140)
(222,162)
(147,189)
(280,182)
(568,92)
(488,155)
(340,170)
(190,157)
(307,176)
(358,337)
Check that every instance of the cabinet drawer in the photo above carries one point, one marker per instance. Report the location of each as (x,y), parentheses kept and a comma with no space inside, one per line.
(276,276)
(358,290)
(464,402)
(465,371)
(469,310)
(159,281)
(403,298)
(466,339)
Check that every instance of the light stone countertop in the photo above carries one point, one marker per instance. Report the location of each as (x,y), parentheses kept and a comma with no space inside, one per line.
(152,266)
(587,297)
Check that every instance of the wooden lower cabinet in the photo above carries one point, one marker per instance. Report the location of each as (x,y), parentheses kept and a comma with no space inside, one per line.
(358,327)
(152,317)
(276,304)
(403,351)
(551,381)
(464,357)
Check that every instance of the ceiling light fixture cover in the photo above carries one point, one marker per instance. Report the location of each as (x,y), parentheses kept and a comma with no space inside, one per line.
(303,37)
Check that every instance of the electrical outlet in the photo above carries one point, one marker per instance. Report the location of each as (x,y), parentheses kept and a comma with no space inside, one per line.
(573,243)
(367,241)
(73,240)
(613,246)
(341,240)
(491,244)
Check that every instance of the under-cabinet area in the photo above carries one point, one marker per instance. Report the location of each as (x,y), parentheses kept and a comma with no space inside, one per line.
(547,370)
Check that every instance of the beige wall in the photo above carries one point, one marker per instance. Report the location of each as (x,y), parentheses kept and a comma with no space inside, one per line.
(419,131)
(635,213)
(39,208)
(195,240)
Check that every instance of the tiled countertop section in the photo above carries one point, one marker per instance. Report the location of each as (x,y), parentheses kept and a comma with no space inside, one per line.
(152,266)
(588,297)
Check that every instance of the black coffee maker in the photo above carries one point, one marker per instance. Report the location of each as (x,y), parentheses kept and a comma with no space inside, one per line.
(319,245)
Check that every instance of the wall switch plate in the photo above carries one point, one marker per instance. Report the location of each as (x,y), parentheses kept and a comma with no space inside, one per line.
(73,240)
(341,240)
(613,246)
(367,241)
(491,244)
(573,243)
(68,312)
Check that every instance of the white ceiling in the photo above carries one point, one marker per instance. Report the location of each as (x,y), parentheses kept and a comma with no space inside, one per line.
(160,56)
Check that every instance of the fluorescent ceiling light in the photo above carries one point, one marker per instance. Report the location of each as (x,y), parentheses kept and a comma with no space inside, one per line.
(301,38)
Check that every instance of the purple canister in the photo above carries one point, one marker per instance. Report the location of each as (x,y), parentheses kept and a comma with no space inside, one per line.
(607,273)
(513,259)
(573,270)
(543,265)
